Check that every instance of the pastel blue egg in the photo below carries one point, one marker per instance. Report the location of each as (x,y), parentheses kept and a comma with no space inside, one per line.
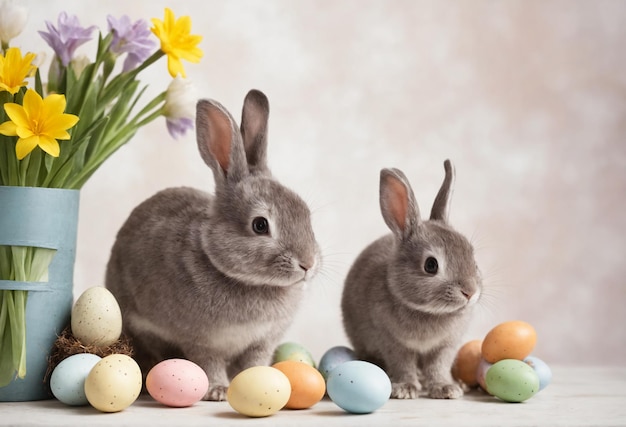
(542,369)
(334,357)
(358,387)
(67,381)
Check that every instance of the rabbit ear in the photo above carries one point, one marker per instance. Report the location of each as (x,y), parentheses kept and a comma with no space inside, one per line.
(441,206)
(397,203)
(256,110)
(219,142)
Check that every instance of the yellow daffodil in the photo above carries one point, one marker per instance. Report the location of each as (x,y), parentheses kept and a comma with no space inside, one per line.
(177,42)
(40,122)
(14,69)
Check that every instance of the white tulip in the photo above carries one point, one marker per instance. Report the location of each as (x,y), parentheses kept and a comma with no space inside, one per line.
(180,100)
(12,21)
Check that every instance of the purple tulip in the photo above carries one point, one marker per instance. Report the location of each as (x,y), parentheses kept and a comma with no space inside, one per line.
(178,127)
(131,38)
(65,39)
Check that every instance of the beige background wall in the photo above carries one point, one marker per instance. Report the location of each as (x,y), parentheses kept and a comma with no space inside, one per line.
(528,98)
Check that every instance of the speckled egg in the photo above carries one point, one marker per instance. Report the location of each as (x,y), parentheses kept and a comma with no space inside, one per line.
(509,340)
(466,363)
(114,383)
(67,381)
(177,383)
(259,391)
(96,317)
(542,370)
(307,384)
(292,351)
(512,380)
(358,387)
(334,357)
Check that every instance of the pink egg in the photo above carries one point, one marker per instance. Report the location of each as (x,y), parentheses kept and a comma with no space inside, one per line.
(177,382)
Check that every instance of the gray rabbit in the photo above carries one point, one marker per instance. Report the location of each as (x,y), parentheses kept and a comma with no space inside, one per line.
(216,279)
(408,297)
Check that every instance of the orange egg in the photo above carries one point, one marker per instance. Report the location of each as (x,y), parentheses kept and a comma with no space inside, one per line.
(509,340)
(307,384)
(466,363)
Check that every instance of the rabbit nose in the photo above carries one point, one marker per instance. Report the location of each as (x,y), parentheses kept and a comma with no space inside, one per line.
(306,265)
(467,294)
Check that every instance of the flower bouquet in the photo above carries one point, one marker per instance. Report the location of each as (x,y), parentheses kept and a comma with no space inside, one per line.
(55,134)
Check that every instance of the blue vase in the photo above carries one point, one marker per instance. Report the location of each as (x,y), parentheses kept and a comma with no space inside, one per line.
(48,218)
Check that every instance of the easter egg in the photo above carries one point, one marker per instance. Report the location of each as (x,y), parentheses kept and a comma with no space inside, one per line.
(334,357)
(67,381)
(358,387)
(292,351)
(114,383)
(307,384)
(177,383)
(509,340)
(512,380)
(96,317)
(466,363)
(259,391)
(542,370)
(481,373)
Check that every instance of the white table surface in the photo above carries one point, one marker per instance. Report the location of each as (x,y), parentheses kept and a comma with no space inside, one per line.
(577,396)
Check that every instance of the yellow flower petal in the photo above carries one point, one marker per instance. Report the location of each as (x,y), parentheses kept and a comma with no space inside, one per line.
(24,132)
(60,124)
(25,145)
(49,145)
(175,67)
(8,129)
(33,103)
(17,114)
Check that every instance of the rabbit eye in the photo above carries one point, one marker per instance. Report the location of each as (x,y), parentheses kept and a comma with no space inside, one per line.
(431,266)
(260,225)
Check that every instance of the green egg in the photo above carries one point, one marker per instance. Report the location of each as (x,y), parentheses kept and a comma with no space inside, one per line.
(292,351)
(512,380)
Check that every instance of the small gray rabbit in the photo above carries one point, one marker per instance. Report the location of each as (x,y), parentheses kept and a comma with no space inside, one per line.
(216,279)
(408,297)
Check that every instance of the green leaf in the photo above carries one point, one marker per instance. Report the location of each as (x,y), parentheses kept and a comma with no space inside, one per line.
(40,263)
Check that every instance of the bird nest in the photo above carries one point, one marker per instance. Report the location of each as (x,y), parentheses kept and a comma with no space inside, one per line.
(68,345)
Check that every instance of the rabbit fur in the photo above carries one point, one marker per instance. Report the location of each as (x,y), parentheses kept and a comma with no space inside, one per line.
(216,278)
(408,296)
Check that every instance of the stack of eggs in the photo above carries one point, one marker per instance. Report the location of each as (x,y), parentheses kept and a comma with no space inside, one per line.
(109,384)
(112,383)
(501,363)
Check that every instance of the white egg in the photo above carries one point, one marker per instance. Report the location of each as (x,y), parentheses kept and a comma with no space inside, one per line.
(97,318)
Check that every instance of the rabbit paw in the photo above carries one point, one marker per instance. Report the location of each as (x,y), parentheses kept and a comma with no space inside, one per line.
(217,393)
(445,391)
(404,391)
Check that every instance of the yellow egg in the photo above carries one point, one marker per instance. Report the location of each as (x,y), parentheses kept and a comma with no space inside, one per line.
(509,340)
(259,391)
(114,383)
(97,318)
(466,363)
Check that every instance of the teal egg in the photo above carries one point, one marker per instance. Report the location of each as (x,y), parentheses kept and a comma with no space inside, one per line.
(512,380)
(358,387)
(292,351)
